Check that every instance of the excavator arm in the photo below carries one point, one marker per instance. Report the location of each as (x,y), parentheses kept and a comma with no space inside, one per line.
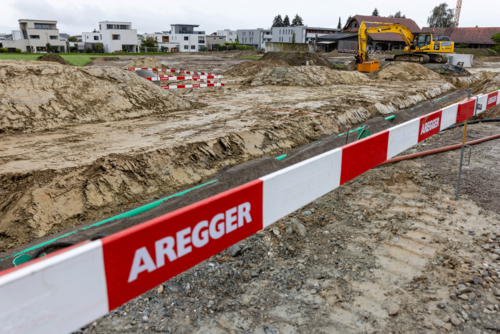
(381,28)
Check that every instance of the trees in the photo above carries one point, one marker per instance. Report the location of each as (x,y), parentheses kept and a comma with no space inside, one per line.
(98,47)
(278,21)
(297,21)
(375,12)
(496,38)
(339,26)
(398,15)
(286,21)
(73,39)
(48,47)
(149,42)
(441,16)
(293,37)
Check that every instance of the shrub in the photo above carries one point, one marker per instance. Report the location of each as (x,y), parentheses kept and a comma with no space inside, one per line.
(462,46)
(18,50)
(2,50)
(88,50)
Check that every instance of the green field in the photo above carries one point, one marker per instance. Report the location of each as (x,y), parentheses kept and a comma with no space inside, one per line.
(251,57)
(79,59)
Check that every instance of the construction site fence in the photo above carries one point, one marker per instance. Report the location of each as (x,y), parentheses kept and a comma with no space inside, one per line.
(66,290)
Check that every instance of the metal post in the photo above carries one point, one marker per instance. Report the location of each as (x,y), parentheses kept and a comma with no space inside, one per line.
(347,137)
(462,154)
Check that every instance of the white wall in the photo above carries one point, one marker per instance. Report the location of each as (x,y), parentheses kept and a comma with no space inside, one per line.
(285,34)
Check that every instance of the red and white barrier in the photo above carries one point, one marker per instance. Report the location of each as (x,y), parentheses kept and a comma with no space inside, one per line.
(66,290)
(194,86)
(169,70)
(168,78)
(356,51)
(199,76)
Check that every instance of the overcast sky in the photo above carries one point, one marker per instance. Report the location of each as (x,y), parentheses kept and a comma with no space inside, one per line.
(75,17)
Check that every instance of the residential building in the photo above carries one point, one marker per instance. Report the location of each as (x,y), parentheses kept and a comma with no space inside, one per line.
(303,34)
(230,35)
(214,40)
(63,37)
(379,41)
(255,37)
(477,38)
(116,36)
(33,36)
(181,36)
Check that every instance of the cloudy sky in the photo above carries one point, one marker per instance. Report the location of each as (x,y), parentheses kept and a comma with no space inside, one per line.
(148,16)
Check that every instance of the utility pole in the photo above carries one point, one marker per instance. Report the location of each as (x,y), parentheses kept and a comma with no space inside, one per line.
(457,12)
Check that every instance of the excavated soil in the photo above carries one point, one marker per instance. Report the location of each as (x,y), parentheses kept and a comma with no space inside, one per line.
(38,96)
(406,72)
(54,58)
(253,67)
(298,58)
(146,62)
(307,76)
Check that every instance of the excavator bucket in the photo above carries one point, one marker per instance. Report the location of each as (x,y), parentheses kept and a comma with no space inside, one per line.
(369,66)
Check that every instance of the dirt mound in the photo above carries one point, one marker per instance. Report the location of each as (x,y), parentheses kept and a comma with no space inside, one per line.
(253,67)
(37,96)
(307,76)
(298,58)
(54,58)
(334,53)
(406,72)
(146,62)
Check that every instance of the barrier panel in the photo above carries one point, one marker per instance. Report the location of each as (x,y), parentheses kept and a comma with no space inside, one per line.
(356,51)
(199,76)
(68,289)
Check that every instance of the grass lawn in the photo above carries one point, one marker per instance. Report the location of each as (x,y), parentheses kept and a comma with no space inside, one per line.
(77,59)
(251,57)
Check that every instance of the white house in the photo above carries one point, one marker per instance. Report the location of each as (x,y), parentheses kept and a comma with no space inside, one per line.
(33,36)
(117,36)
(181,36)
(230,35)
(303,34)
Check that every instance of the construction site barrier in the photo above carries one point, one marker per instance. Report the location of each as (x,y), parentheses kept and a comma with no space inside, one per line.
(71,288)
(169,70)
(194,86)
(168,78)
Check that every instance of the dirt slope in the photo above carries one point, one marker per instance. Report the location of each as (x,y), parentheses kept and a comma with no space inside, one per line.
(306,76)
(406,71)
(253,67)
(37,96)
(298,58)
(147,62)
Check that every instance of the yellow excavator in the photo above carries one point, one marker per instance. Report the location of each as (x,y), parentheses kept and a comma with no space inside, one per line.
(420,48)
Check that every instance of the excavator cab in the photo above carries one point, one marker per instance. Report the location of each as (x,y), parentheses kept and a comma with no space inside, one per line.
(422,41)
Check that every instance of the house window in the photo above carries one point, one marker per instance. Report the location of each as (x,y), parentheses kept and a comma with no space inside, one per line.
(34,36)
(193,47)
(53,37)
(165,38)
(40,48)
(116,37)
(186,38)
(96,38)
(42,26)
(186,47)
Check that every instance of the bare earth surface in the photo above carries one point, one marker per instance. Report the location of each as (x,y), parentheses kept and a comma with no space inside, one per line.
(390,252)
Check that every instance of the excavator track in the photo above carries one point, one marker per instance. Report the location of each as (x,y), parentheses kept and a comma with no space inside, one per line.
(437,58)
(413,58)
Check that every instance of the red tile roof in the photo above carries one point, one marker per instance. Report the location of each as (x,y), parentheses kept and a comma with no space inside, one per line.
(386,37)
(467,35)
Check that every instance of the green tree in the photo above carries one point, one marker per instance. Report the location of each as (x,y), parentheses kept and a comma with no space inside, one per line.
(73,39)
(98,47)
(293,37)
(278,21)
(48,47)
(441,16)
(339,26)
(149,42)
(496,38)
(286,21)
(237,41)
(297,21)
(398,15)
(375,12)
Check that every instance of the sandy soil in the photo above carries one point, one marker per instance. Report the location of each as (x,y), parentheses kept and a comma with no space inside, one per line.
(353,261)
